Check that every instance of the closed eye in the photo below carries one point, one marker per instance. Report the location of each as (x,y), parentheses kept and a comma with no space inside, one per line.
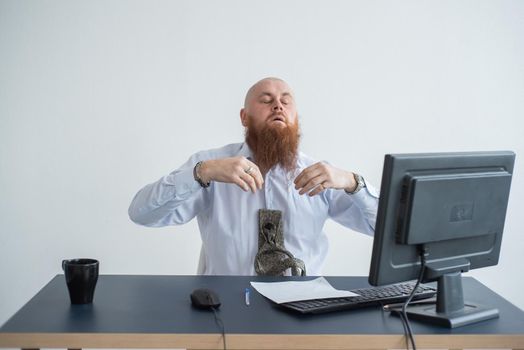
(286,99)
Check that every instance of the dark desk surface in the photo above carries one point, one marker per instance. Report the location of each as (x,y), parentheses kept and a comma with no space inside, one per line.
(161,305)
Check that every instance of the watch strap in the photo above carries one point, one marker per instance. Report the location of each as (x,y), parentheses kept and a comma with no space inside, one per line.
(360,183)
(196,175)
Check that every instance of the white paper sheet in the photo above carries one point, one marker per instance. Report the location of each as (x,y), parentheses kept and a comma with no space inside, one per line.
(283,292)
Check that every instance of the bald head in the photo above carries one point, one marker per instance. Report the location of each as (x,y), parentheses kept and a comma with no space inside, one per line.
(258,88)
(267,98)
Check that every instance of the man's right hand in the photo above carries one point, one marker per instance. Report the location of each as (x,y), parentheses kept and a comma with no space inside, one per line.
(238,170)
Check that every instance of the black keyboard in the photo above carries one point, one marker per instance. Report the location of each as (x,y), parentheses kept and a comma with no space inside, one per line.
(393,293)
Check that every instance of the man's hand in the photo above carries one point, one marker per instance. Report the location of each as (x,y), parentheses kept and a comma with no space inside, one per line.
(320,176)
(237,170)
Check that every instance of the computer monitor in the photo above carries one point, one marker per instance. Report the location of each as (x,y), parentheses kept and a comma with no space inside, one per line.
(452,207)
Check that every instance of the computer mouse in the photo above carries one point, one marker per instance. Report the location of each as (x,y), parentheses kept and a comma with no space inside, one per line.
(203,298)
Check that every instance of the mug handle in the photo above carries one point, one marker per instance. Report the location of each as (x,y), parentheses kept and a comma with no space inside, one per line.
(63,264)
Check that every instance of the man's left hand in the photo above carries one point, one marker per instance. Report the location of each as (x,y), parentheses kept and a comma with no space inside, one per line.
(321,176)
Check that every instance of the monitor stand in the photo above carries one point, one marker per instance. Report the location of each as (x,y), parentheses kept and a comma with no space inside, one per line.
(450,310)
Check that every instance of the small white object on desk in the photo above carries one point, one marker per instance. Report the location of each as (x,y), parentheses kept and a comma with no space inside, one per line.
(246,296)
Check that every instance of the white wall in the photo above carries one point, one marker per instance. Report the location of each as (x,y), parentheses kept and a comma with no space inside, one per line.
(98,98)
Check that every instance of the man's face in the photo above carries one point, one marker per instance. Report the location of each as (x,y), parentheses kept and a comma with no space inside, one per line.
(270,118)
(269,103)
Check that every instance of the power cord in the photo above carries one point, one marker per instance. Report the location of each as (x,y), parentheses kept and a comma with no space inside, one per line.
(220,324)
(408,333)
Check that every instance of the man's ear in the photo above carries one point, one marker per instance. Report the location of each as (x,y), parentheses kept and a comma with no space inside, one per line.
(243,117)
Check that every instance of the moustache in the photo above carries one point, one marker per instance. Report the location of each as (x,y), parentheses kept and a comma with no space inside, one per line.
(278,116)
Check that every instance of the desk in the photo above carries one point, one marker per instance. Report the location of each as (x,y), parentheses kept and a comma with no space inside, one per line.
(155,312)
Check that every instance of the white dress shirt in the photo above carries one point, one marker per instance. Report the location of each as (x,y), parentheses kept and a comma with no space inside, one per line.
(228,217)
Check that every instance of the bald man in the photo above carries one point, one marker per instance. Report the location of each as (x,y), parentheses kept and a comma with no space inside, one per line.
(226,188)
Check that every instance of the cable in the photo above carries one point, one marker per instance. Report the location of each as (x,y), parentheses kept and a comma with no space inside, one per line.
(404,326)
(408,333)
(220,324)
(423,253)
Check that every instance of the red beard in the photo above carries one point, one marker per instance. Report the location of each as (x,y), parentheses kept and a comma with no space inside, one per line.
(274,145)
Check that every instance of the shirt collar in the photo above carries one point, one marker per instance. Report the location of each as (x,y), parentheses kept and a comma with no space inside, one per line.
(246,151)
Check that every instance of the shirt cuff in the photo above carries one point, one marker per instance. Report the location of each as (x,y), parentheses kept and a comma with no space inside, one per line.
(363,196)
(185,183)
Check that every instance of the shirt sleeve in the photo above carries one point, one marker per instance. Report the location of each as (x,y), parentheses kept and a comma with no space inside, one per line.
(172,200)
(355,211)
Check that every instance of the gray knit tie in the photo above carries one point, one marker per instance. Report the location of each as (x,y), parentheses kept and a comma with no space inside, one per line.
(273,259)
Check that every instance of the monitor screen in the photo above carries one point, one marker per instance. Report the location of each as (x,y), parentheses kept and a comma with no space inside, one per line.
(449,206)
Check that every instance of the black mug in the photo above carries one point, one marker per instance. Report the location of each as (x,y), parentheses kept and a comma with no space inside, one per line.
(81,276)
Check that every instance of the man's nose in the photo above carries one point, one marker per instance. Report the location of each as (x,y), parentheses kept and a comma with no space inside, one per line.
(277,106)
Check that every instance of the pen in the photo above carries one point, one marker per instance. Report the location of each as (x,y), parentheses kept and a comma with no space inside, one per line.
(246,296)
(389,307)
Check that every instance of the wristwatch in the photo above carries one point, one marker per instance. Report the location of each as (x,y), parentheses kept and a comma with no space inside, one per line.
(196,175)
(360,183)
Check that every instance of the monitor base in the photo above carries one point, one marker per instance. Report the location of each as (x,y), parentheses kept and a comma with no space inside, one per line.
(471,313)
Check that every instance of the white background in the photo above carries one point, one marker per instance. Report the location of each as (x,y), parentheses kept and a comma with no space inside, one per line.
(99,98)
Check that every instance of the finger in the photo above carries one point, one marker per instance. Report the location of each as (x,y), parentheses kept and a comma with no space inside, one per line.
(239,175)
(317,190)
(245,165)
(259,179)
(310,172)
(302,174)
(312,184)
(249,180)
(256,174)
(241,183)
(306,175)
